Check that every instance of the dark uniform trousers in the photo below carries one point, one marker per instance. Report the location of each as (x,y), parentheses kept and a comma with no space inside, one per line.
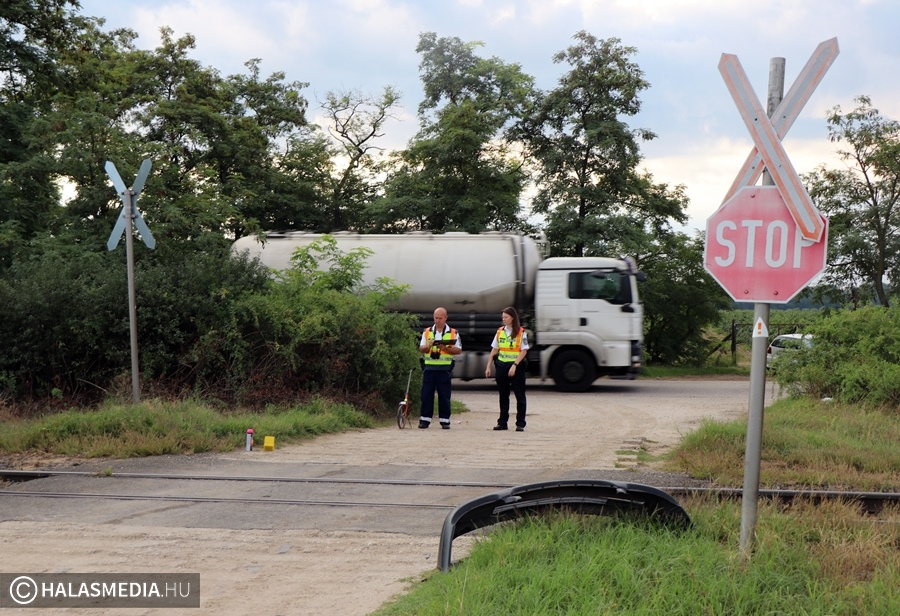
(436,380)
(517,385)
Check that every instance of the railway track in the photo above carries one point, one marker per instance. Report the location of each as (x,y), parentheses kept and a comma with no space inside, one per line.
(20,476)
(870,502)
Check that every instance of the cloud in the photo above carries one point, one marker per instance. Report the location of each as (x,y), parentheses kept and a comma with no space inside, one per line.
(223,31)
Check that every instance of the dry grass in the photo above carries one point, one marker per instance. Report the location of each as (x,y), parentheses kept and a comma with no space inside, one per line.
(806,443)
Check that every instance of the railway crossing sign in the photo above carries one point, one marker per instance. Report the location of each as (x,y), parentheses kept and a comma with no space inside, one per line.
(123,226)
(752,249)
(129,209)
(765,137)
(765,243)
(756,251)
(788,109)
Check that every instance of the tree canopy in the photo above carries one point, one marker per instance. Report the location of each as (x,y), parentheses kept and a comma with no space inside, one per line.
(589,185)
(862,202)
(459,173)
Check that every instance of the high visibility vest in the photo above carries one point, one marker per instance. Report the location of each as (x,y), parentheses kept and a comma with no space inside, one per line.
(446,359)
(509,347)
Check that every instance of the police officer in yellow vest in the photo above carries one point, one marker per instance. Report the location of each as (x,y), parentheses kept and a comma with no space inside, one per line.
(438,345)
(508,352)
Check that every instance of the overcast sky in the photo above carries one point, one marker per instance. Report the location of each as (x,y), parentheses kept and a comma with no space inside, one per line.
(702,141)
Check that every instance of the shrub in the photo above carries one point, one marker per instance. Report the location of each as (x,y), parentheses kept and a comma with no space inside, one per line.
(64,317)
(209,324)
(855,357)
(316,330)
(64,324)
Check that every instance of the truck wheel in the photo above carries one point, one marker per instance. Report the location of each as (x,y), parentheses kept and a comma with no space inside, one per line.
(573,371)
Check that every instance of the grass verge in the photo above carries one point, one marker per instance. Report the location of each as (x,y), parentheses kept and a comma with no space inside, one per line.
(157,427)
(806,443)
(809,560)
(665,372)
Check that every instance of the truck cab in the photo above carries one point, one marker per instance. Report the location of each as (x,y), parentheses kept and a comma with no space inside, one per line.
(588,320)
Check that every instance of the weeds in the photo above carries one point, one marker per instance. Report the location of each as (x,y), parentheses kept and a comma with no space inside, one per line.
(156,428)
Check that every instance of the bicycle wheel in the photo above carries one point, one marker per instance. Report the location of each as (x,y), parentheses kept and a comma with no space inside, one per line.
(401,415)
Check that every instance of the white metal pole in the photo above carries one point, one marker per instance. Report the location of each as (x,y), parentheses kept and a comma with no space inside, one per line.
(132,302)
(753,446)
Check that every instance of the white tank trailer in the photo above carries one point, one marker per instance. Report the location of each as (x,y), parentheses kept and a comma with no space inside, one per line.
(583,314)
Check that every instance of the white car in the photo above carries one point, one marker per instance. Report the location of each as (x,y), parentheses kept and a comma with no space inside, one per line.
(786,343)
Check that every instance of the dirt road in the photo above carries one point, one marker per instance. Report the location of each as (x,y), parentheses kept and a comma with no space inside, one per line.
(260,566)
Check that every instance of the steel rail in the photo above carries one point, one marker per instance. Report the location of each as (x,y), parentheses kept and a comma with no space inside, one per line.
(871,501)
(21,475)
(206,499)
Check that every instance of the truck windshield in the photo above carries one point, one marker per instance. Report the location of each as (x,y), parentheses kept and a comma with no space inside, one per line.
(613,287)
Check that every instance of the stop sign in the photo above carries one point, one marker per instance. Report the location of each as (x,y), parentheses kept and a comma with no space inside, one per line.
(755,250)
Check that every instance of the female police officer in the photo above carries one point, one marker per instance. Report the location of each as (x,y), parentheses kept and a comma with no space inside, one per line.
(508,351)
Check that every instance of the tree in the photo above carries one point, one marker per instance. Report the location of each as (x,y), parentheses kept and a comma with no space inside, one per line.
(231,155)
(459,174)
(588,183)
(225,150)
(862,202)
(32,35)
(356,121)
(219,141)
(91,121)
(681,300)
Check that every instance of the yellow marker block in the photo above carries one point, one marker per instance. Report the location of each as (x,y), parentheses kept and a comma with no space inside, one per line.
(269,443)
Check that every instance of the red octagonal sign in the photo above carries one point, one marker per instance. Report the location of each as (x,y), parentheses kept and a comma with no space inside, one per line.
(755,250)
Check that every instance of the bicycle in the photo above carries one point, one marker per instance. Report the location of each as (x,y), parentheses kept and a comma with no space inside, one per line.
(403,407)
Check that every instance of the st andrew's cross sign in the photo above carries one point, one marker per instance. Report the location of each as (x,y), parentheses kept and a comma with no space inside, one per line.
(766,244)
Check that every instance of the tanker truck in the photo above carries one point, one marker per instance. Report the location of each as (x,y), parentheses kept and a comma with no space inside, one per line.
(583,315)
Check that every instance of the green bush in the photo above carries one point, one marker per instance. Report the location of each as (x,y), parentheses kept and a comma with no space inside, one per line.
(317,330)
(209,324)
(855,358)
(183,298)
(64,324)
